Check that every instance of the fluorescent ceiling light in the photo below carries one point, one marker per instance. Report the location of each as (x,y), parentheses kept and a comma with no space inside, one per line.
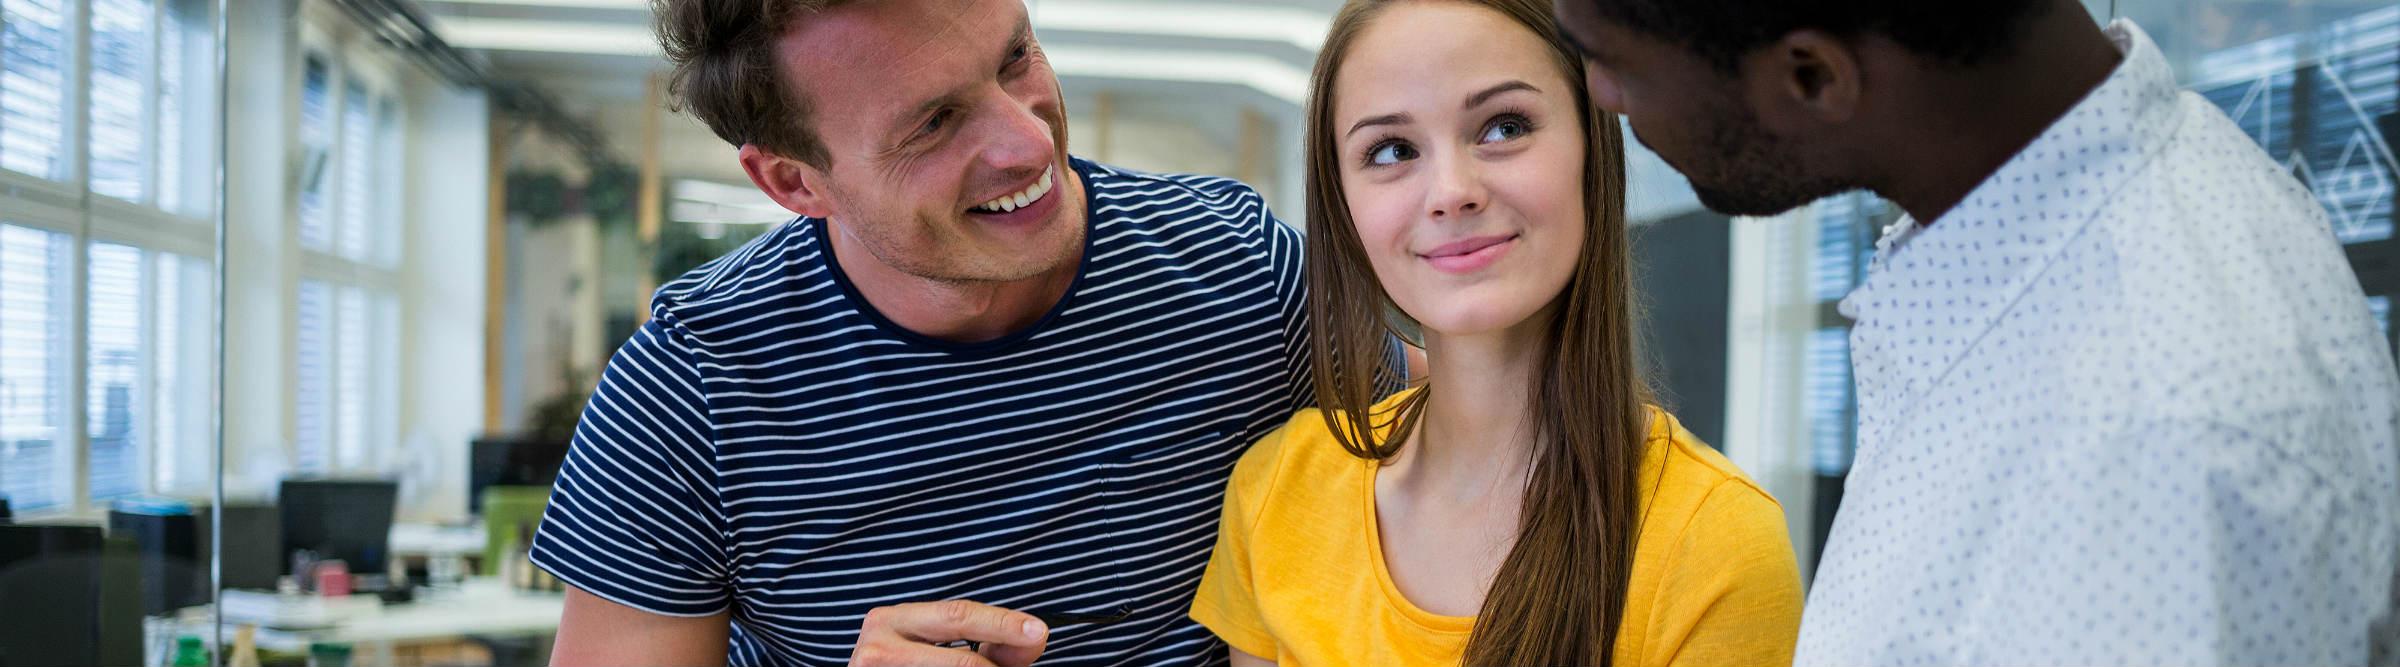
(643,5)
(1299,27)
(1274,77)
(539,35)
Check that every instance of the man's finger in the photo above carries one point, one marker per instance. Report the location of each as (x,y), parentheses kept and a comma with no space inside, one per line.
(1013,655)
(894,653)
(955,620)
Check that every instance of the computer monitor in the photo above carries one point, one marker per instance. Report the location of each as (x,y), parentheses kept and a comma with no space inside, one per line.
(506,461)
(345,519)
(253,544)
(174,565)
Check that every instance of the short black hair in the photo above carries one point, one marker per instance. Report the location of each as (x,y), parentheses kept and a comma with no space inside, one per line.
(1958,32)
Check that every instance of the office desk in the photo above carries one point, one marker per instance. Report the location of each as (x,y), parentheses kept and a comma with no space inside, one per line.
(482,609)
(426,539)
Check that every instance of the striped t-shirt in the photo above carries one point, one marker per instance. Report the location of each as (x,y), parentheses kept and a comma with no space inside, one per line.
(769,444)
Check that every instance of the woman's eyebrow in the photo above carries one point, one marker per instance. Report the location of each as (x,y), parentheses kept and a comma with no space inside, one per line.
(1386,119)
(1478,99)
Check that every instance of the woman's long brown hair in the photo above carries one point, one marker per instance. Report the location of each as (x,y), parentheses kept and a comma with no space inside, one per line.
(1560,595)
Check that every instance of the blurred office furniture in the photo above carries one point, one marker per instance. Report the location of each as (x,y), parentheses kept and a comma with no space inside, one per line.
(73,597)
(253,545)
(172,562)
(433,540)
(338,519)
(510,515)
(511,461)
(509,624)
(1679,269)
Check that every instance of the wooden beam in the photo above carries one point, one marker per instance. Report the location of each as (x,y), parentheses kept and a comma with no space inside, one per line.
(1253,165)
(652,197)
(495,273)
(1104,126)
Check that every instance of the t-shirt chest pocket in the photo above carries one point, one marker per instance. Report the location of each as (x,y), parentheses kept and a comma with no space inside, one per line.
(1175,457)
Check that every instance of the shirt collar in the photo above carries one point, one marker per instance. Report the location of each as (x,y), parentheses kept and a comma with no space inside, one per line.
(1932,290)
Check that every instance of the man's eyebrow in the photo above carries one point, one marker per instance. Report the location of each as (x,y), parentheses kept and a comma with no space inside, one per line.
(1386,119)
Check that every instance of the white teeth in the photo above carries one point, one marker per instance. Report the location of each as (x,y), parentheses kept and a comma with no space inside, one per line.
(1022,199)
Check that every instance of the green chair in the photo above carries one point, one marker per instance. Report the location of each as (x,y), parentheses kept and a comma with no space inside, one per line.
(508,512)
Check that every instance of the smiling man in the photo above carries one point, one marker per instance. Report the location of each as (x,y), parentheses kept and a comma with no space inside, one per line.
(977,405)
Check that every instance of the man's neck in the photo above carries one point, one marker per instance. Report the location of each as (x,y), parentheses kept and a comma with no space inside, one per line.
(960,311)
(1980,118)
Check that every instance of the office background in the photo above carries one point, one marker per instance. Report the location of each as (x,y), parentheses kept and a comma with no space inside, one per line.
(441,216)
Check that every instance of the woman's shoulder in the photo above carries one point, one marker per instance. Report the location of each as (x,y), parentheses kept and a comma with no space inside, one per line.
(1683,474)
(1295,458)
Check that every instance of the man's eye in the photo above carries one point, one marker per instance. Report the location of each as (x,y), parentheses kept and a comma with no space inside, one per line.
(940,119)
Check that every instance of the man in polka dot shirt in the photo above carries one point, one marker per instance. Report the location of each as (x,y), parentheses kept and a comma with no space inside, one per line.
(2121,398)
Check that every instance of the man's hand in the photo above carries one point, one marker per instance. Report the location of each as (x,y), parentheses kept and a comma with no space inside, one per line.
(925,634)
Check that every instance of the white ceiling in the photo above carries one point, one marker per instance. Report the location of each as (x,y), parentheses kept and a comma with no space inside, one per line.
(1261,47)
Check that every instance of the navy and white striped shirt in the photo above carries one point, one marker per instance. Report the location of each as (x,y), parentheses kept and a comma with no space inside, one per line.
(770,445)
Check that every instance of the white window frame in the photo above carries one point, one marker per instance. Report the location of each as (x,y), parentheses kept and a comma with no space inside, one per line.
(70,207)
(352,58)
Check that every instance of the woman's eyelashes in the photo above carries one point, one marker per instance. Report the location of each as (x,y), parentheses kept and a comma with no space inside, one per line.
(1390,152)
(1506,127)
(1502,128)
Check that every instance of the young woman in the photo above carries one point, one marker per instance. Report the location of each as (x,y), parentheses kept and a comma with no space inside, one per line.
(1524,505)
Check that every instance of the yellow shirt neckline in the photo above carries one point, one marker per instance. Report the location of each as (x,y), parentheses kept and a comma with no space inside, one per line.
(1383,572)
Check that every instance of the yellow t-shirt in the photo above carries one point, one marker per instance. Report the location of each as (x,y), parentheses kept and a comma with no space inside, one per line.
(1298,574)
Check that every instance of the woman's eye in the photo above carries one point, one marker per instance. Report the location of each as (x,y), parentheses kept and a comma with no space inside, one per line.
(1390,153)
(1505,129)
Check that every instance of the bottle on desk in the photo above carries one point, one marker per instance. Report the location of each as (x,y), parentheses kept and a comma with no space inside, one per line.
(190,652)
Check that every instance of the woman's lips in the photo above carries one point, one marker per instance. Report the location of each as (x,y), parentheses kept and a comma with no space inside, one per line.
(1469,255)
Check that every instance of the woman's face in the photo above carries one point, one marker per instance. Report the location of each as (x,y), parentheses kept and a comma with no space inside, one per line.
(1461,158)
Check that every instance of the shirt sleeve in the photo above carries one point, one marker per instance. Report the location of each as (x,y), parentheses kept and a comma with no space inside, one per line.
(1227,604)
(1731,596)
(1285,249)
(635,516)
(2200,541)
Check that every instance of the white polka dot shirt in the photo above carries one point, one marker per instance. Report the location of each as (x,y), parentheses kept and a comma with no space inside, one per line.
(2123,405)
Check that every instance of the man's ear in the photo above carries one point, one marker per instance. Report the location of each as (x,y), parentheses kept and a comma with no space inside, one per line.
(1807,78)
(798,186)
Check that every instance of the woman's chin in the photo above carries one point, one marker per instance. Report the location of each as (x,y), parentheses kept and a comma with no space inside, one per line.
(1476,318)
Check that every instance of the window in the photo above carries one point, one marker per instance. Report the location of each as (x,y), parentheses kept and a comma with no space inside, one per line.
(316,150)
(113,374)
(344,419)
(186,108)
(359,179)
(34,457)
(146,376)
(121,73)
(33,87)
(182,356)
(2312,99)
(312,416)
